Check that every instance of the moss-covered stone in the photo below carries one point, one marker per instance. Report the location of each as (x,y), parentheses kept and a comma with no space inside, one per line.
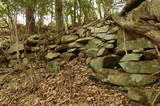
(68,38)
(106,37)
(51,55)
(146,67)
(139,43)
(15,47)
(131,57)
(125,79)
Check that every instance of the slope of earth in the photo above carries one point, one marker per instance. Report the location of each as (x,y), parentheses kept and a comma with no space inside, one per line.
(73,85)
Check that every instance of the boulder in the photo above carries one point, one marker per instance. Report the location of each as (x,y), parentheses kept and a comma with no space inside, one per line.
(146,67)
(145,96)
(15,47)
(68,38)
(125,79)
(51,55)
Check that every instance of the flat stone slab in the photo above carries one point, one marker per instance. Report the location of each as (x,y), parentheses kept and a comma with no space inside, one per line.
(106,37)
(51,55)
(125,79)
(84,40)
(75,45)
(68,38)
(131,57)
(146,67)
(137,44)
(52,46)
(99,30)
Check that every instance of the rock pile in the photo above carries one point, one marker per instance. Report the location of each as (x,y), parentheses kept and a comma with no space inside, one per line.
(113,58)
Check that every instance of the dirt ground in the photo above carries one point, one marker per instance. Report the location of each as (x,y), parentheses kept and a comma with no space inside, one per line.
(73,85)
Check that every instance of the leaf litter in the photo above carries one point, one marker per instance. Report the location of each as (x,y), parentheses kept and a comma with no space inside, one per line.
(73,85)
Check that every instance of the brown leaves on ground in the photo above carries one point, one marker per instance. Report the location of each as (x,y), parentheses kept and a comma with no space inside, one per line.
(72,86)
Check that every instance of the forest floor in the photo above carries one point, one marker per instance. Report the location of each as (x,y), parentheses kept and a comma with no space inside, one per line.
(73,85)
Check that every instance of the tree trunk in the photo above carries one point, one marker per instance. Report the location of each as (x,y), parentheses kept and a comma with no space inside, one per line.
(59,15)
(106,7)
(130,5)
(99,9)
(30,19)
(75,14)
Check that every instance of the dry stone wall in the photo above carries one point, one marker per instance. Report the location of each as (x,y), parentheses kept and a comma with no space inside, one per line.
(114,59)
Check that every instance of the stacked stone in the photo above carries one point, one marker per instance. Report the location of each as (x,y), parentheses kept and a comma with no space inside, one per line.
(114,56)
